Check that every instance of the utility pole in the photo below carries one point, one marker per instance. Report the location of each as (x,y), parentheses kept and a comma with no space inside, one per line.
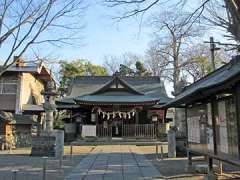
(213,48)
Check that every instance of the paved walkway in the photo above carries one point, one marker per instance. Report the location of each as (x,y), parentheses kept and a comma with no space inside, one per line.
(114,162)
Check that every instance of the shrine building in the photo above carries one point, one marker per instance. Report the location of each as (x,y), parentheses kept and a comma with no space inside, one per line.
(114,106)
(212,113)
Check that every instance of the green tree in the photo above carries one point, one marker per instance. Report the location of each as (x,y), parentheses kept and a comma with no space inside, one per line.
(141,70)
(79,67)
(125,70)
(198,63)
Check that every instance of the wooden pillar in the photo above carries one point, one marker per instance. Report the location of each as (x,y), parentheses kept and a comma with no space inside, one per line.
(137,118)
(186,126)
(214,126)
(19,94)
(189,167)
(210,165)
(237,102)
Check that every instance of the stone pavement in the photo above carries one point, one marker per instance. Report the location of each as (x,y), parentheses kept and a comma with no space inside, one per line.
(114,162)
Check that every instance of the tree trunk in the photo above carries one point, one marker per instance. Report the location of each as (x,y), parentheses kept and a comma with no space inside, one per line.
(233,10)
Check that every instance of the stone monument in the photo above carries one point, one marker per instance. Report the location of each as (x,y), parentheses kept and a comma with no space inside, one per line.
(50,142)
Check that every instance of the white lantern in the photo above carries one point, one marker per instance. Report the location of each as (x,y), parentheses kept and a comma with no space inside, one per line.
(154,118)
(93,117)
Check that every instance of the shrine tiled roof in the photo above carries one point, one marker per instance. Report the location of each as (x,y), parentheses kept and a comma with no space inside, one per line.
(146,89)
(224,77)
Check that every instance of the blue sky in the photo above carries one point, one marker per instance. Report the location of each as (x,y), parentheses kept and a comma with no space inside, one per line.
(104,36)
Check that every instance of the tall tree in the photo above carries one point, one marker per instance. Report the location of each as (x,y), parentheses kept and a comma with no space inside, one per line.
(24,23)
(132,8)
(173,33)
(127,64)
(156,62)
(126,60)
(198,58)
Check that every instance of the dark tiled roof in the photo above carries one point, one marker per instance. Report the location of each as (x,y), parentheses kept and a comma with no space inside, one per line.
(150,86)
(217,78)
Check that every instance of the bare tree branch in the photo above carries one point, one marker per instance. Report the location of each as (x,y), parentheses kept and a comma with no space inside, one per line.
(32,22)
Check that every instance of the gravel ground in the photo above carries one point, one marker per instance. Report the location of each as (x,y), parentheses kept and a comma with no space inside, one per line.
(30,168)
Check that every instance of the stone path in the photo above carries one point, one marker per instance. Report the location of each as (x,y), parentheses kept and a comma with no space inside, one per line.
(114,162)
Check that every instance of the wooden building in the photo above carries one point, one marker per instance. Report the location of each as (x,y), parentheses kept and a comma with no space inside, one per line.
(108,106)
(212,114)
(20,97)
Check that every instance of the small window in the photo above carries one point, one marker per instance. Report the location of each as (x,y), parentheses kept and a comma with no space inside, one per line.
(8,87)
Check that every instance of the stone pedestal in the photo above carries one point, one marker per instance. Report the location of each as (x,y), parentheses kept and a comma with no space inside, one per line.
(48,144)
(171,144)
(43,146)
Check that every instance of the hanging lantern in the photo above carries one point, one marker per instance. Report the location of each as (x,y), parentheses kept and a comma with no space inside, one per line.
(104,115)
(154,118)
(93,117)
(99,110)
(114,115)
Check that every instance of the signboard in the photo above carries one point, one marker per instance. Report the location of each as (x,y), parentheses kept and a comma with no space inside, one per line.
(209,129)
(194,129)
(89,130)
(223,138)
(209,114)
(159,113)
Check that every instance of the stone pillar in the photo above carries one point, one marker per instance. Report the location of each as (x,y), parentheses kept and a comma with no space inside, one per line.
(49,121)
(171,144)
(59,148)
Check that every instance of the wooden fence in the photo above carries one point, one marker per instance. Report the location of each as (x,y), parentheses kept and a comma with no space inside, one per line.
(139,130)
(129,130)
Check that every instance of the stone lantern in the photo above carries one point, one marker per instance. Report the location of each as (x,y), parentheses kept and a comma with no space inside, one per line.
(49,106)
(51,141)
